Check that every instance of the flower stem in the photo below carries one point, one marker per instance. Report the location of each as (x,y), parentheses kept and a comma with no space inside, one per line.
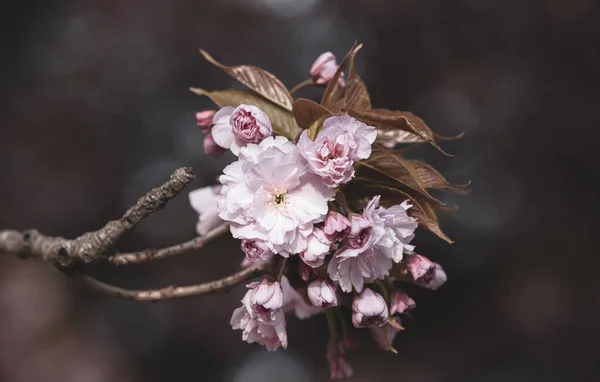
(281,270)
(302,85)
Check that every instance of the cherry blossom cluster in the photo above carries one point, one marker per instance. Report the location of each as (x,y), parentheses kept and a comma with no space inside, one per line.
(279,199)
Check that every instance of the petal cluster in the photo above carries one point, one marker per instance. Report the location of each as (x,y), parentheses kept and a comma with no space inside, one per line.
(236,127)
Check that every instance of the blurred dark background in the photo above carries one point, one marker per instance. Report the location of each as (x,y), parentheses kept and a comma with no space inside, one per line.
(95,110)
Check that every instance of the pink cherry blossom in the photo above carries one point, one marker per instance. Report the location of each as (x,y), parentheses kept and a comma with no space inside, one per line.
(259,319)
(324,68)
(377,238)
(369,309)
(384,336)
(266,299)
(400,302)
(293,301)
(269,195)
(425,272)
(256,251)
(321,294)
(336,226)
(235,128)
(204,201)
(211,148)
(342,141)
(317,248)
(204,120)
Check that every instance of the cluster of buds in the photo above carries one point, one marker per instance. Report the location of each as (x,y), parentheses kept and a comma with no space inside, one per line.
(295,200)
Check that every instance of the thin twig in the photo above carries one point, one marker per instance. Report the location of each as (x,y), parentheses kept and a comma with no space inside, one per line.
(97,245)
(302,85)
(174,250)
(171,292)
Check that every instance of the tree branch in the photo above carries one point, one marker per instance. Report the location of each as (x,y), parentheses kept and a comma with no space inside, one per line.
(154,254)
(97,245)
(172,292)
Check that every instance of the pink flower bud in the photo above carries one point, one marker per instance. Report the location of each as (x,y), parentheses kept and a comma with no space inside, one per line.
(256,251)
(211,148)
(369,309)
(321,294)
(425,272)
(235,128)
(306,273)
(250,124)
(204,120)
(401,303)
(266,297)
(384,336)
(336,226)
(339,368)
(318,245)
(324,68)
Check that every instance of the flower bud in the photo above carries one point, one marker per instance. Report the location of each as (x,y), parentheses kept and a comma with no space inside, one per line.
(425,272)
(318,245)
(211,148)
(369,309)
(321,294)
(384,336)
(266,297)
(324,68)
(204,120)
(256,251)
(250,124)
(336,226)
(400,302)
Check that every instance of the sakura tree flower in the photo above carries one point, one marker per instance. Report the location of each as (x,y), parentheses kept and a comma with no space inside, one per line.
(317,248)
(269,195)
(259,318)
(369,309)
(204,120)
(324,68)
(425,272)
(377,238)
(204,201)
(211,148)
(384,336)
(401,303)
(336,226)
(293,301)
(256,251)
(266,299)
(321,294)
(342,141)
(235,128)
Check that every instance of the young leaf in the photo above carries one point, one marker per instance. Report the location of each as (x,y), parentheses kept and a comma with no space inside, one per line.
(397,136)
(356,95)
(333,91)
(388,120)
(257,79)
(282,120)
(431,178)
(307,112)
(387,164)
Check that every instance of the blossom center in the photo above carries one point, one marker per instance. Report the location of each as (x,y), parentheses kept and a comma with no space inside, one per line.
(280,198)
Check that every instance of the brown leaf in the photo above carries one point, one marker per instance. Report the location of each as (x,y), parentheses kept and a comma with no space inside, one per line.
(307,112)
(431,178)
(282,120)
(356,95)
(334,91)
(392,167)
(389,120)
(257,79)
(397,136)
(421,209)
